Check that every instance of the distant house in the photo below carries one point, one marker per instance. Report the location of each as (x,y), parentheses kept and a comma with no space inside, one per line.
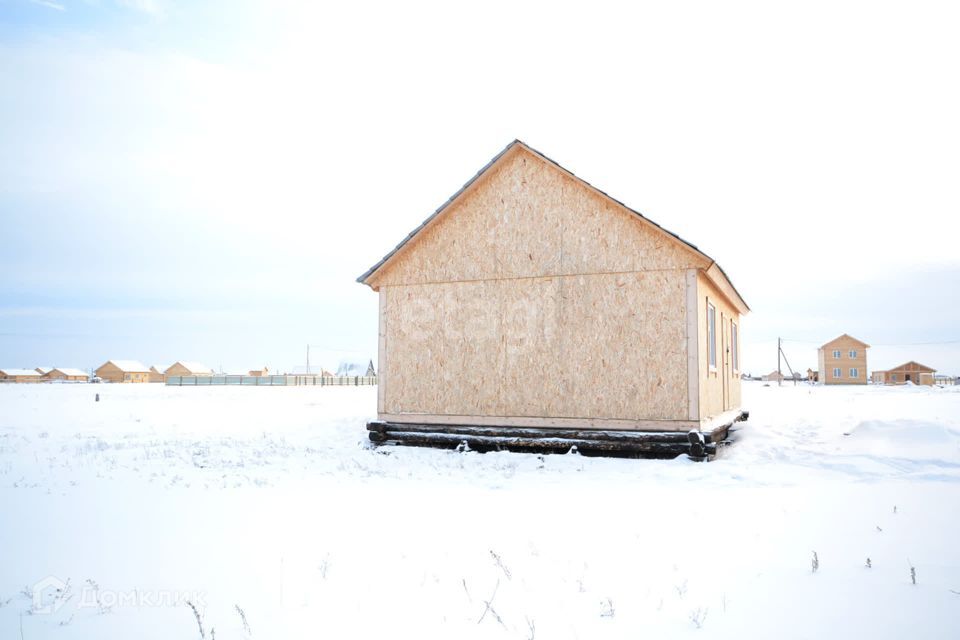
(813,376)
(181,368)
(773,376)
(259,373)
(156,372)
(19,375)
(913,372)
(843,360)
(66,374)
(43,370)
(353,369)
(123,371)
(371,372)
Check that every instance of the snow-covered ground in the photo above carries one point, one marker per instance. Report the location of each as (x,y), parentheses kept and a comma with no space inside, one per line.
(269,501)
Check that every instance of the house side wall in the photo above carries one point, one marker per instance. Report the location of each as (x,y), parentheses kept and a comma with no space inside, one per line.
(608,347)
(526,218)
(112,373)
(844,362)
(59,375)
(720,386)
(20,379)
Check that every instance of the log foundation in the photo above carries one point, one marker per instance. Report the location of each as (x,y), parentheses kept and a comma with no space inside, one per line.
(699,445)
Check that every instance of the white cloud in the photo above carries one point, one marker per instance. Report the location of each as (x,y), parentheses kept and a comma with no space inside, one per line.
(147,6)
(49,4)
(293,146)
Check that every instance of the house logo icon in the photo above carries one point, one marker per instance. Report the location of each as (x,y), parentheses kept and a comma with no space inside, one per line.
(49,595)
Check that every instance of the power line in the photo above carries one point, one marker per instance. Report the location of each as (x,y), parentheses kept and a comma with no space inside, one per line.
(883,344)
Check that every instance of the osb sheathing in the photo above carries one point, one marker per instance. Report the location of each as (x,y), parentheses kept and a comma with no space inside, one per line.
(610,346)
(535,297)
(525,218)
(712,380)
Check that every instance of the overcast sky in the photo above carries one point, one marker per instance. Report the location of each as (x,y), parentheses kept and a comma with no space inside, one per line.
(205,180)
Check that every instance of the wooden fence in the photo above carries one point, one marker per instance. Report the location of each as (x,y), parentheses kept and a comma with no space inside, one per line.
(271,381)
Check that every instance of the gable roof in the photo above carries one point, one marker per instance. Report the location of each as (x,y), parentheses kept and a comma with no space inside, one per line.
(716,273)
(19,372)
(848,337)
(67,371)
(915,364)
(193,367)
(127,366)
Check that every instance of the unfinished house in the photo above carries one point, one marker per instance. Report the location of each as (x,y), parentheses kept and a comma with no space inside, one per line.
(181,368)
(843,360)
(123,371)
(19,375)
(912,372)
(534,310)
(66,374)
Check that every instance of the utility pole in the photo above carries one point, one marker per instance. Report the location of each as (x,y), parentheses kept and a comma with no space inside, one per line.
(308,359)
(779,374)
(793,374)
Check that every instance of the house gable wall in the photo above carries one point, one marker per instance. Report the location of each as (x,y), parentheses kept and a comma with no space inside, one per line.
(527,218)
(112,373)
(828,362)
(536,298)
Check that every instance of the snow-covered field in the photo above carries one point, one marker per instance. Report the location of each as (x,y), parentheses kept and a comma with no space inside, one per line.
(269,502)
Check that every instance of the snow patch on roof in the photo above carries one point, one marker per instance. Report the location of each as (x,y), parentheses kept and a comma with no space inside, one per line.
(19,372)
(193,367)
(68,371)
(130,366)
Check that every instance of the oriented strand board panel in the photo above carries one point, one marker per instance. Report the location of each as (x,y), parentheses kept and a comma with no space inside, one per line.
(609,346)
(720,387)
(414,318)
(532,378)
(624,345)
(527,218)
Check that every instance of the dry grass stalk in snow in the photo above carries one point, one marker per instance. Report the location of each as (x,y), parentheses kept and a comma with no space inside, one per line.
(196,614)
(698,616)
(243,619)
(489,607)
